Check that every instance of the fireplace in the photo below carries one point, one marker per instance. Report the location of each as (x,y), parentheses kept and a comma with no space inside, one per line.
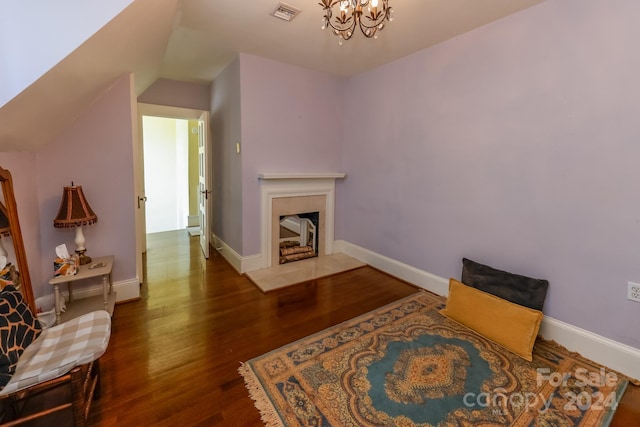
(298,237)
(297,195)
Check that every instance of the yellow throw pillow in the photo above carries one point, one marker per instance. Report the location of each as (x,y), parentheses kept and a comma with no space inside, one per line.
(513,326)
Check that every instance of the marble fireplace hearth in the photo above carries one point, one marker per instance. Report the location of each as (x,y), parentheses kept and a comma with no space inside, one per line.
(282,276)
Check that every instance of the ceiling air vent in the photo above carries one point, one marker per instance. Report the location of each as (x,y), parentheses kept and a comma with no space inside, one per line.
(286,12)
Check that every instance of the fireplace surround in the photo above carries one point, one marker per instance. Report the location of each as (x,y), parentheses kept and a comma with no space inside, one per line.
(285,194)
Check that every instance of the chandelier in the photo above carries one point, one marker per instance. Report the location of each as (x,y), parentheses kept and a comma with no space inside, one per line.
(351,13)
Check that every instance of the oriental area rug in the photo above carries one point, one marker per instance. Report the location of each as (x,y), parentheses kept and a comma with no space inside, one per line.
(406,365)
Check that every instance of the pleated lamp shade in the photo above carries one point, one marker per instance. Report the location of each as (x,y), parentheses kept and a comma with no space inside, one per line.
(74,209)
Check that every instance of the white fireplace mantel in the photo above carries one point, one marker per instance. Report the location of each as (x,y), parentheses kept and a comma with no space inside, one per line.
(277,185)
(303,175)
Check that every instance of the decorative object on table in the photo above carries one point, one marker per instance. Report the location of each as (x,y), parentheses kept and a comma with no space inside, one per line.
(369,15)
(75,212)
(65,264)
(406,364)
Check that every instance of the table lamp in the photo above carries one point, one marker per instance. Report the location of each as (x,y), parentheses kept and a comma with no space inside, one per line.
(75,212)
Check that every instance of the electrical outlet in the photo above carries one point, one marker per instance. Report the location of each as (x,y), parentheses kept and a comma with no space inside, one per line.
(633,292)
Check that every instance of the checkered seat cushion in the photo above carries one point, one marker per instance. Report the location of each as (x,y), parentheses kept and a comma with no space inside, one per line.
(61,348)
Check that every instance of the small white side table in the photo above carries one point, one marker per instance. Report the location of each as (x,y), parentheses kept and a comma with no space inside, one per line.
(98,267)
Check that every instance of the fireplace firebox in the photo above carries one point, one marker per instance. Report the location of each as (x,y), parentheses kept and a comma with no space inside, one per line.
(299,235)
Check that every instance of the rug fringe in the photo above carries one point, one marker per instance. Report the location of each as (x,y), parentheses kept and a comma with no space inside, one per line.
(268,413)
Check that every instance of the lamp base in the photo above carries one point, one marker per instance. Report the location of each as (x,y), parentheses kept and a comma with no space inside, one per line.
(84,259)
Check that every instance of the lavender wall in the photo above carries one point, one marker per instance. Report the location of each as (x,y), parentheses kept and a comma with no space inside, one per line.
(291,122)
(515,145)
(227,168)
(178,94)
(95,152)
(21,165)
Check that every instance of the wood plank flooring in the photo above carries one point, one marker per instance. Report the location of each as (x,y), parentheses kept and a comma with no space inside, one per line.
(174,354)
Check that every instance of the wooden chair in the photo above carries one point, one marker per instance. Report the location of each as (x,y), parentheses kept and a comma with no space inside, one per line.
(65,355)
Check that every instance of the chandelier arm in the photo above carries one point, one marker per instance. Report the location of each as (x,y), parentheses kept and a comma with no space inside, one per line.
(370,31)
(343,25)
(340,29)
(344,30)
(374,23)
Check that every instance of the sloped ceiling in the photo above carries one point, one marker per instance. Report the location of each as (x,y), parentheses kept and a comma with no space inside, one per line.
(193,40)
(133,42)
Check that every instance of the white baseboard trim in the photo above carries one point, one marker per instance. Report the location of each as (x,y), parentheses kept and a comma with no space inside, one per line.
(228,253)
(423,279)
(193,220)
(612,354)
(125,290)
(213,241)
(239,263)
(251,263)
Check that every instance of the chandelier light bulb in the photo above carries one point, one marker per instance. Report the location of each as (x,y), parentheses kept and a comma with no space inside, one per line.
(374,3)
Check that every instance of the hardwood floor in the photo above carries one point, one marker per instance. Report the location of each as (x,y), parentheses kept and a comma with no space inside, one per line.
(173,355)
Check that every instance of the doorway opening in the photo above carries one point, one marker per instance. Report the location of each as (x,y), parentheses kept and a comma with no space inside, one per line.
(170,173)
(174,193)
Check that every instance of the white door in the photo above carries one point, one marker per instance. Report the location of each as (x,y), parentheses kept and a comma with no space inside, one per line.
(204,193)
(141,226)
